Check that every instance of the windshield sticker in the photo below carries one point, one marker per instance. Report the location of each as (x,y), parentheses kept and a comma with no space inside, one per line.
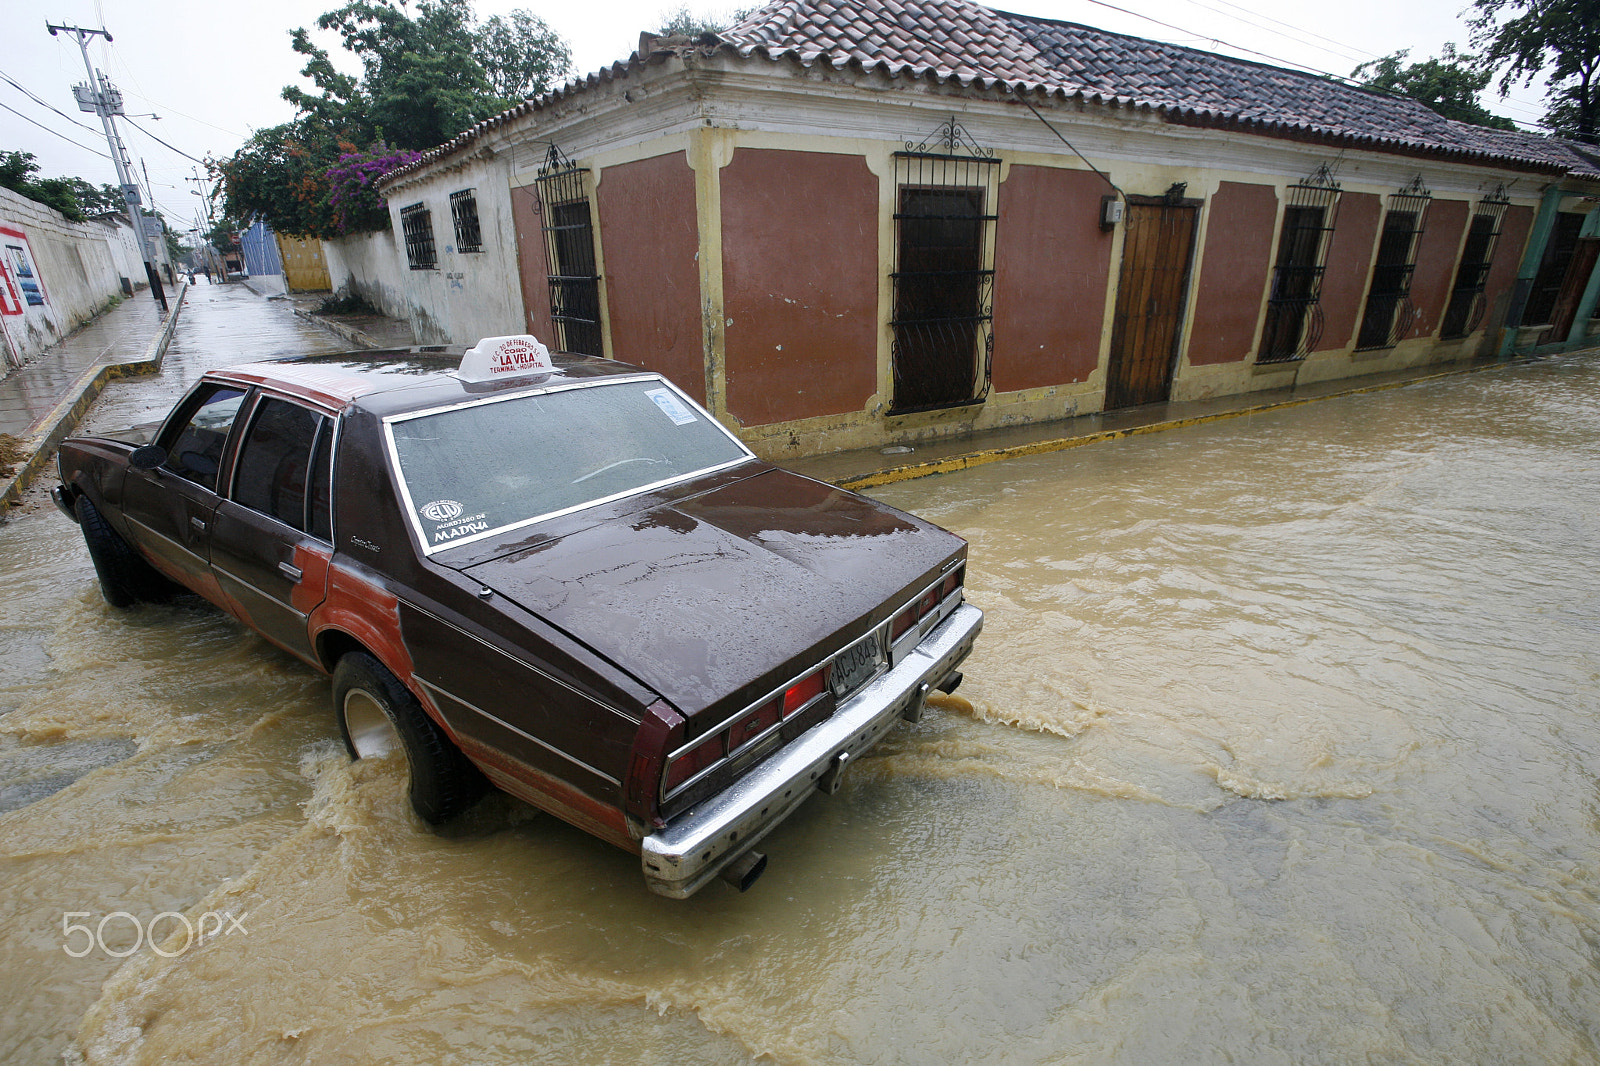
(671,406)
(462,527)
(442,510)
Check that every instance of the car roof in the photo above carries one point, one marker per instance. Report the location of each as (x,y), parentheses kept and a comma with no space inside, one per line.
(397,380)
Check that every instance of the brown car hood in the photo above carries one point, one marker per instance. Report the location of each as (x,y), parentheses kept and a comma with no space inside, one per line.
(704,596)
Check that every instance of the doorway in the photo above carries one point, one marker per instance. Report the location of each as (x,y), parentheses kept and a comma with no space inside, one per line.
(1152,291)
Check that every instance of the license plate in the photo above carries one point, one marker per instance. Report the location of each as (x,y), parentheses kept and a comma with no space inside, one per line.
(856,665)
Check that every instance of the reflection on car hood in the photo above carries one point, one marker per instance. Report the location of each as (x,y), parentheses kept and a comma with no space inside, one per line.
(701,597)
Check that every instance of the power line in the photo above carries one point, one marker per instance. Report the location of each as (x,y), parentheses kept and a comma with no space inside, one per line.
(47,129)
(42,103)
(1299,29)
(159,141)
(1219,41)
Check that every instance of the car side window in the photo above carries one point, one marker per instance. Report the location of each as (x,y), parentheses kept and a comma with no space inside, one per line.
(321,488)
(196,452)
(275,467)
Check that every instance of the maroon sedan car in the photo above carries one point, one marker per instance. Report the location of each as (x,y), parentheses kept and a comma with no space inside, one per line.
(556,575)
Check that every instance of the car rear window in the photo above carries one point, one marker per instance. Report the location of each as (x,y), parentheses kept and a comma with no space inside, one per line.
(471,471)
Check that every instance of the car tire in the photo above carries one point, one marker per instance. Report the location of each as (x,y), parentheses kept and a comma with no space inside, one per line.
(125,578)
(377,715)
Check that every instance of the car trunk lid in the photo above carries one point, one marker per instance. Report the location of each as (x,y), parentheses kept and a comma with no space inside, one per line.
(722,592)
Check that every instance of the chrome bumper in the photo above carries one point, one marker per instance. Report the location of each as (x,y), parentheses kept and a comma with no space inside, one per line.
(681,858)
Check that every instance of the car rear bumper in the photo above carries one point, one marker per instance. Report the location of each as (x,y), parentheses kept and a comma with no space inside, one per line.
(681,858)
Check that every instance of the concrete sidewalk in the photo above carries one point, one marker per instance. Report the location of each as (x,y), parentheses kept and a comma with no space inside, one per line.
(362,331)
(41,403)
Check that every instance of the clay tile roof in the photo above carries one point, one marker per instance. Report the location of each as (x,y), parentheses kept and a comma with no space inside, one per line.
(961,40)
(964,40)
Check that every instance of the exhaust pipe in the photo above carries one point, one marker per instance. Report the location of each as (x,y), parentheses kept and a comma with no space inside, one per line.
(742,872)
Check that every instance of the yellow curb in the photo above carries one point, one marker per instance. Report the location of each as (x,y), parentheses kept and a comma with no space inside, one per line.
(966,460)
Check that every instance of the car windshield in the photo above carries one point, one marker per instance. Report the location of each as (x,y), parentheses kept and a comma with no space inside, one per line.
(472,471)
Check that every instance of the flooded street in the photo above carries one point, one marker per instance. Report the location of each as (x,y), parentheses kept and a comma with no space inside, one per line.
(1281,745)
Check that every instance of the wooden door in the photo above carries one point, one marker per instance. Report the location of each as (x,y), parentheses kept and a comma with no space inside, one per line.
(1572,285)
(1151,293)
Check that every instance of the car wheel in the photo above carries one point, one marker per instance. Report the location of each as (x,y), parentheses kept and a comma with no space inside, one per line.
(378,715)
(125,578)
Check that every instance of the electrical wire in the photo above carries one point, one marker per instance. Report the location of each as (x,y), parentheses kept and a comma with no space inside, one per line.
(162,143)
(42,103)
(47,129)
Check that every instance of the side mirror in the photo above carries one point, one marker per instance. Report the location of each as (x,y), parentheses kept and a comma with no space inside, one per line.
(147,457)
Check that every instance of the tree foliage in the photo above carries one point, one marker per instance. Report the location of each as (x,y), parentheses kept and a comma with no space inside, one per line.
(73,197)
(521,55)
(1448,85)
(428,72)
(1560,39)
(683,22)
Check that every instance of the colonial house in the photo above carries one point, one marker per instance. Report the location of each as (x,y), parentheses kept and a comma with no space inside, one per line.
(845,223)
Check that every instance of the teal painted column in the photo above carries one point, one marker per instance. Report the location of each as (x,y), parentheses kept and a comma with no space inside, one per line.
(1579,332)
(1543,226)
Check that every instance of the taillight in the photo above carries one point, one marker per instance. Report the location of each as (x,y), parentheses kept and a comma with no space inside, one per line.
(801,693)
(926,604)
(754,724)
(694,760)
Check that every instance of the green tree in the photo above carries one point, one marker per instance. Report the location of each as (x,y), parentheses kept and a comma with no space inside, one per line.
(1448,85)
(521,55)
(1560,39)
(70,196)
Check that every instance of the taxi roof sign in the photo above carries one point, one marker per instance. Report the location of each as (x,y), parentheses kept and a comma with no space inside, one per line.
(499,358)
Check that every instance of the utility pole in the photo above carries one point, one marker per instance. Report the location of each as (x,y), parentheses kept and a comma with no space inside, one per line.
(203,190)
(100,98)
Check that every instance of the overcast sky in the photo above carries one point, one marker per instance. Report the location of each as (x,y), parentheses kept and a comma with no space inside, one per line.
(213,69)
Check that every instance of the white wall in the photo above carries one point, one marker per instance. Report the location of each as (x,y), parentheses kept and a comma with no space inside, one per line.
(467,295)
(75,266)
(368,265)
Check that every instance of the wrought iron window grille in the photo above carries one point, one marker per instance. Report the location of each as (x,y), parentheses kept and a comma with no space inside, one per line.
(1464,314)
(573,275)
(416,224)
(1389,312)
(1294,308)
(943,277)
(464,214)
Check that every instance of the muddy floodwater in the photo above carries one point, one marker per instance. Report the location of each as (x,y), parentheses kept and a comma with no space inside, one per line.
(1281,745)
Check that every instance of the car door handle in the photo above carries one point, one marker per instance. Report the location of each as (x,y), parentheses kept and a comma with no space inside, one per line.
(290,571)
(198,523)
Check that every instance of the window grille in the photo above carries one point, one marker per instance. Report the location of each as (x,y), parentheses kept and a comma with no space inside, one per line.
(1389,311)
(943,276)
(1294,310)
(569,252)
(416,222)
(464,213)
(1465,311)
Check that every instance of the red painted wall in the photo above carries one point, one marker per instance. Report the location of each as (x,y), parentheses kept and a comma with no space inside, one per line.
(1438,255)
(1052,266)
(529,224)
(650,238)
(800,283)
(1344,284)
(1233,273)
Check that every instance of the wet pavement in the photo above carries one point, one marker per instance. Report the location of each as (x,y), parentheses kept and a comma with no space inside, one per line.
(119,335)
(1281,745)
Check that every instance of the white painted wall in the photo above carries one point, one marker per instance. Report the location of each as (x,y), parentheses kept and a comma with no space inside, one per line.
(74,262)
(468,295)
(369,265)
